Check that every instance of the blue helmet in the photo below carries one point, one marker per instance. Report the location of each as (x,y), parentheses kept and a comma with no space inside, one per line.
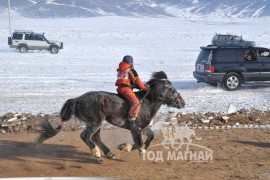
(128,59)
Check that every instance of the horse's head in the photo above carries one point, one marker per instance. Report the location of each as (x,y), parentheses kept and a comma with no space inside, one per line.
(163,90)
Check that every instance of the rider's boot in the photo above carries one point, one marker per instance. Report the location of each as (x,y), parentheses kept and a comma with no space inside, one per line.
(132,125)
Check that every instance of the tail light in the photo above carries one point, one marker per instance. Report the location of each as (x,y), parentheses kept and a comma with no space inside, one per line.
(209,69)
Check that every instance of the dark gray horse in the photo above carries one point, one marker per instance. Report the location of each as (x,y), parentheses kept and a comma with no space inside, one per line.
(95,107)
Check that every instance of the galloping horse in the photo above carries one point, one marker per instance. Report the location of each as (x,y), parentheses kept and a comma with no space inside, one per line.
(96,106)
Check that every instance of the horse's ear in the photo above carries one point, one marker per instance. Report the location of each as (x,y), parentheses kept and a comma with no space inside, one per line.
(159,75)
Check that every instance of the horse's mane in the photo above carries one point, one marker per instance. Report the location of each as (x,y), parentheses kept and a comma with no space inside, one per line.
(159,75)
(156,81)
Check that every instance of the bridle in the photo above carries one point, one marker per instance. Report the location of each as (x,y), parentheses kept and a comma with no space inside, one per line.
(163,100)
(175,95)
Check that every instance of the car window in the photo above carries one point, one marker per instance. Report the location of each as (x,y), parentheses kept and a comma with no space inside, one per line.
(205,55)
(28,36)
(17,36)
(250,55)
(34,37)
(237,38)
(39,37)
(231,38)
(223,38)
(228,55)
(215,38)
(227,37)
(264,55)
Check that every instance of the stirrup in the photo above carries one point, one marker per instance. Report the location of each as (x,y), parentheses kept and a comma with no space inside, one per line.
(132,119)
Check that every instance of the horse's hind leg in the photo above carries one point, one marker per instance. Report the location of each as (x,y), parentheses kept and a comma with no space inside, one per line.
(86,136)
(96,138)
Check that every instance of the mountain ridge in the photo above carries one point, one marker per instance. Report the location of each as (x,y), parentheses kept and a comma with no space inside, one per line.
(152,8)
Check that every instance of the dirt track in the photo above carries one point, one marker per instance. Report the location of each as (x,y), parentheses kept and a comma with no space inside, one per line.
(237,154)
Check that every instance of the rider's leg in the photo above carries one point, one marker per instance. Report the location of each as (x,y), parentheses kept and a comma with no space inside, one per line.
(134,110)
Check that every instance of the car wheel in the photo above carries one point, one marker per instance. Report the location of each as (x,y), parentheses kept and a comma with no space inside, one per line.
(54,50)
(232,81)
(23,49)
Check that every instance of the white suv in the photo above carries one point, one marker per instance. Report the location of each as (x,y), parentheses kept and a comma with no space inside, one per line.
(28,40)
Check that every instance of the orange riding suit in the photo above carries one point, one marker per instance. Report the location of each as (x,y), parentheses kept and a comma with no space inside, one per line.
(127,79)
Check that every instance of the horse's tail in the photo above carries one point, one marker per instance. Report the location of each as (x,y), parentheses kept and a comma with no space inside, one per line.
(67,110)
(46,130)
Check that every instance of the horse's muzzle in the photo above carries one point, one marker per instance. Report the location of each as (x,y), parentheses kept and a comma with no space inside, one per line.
(180,101)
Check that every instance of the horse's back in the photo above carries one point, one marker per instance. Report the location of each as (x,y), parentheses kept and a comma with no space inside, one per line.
(96,96)
(101,101)
(102,105)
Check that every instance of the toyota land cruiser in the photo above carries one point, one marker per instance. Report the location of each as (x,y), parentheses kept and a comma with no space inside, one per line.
(28,40)
(232,66)
(230,40)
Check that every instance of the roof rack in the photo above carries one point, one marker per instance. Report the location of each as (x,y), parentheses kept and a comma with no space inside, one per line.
(23,31)
(210,47)
(223,46)
(230,45)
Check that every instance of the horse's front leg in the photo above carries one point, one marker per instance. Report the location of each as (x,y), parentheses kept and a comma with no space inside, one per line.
(150,136)
(138,141)
(142,146)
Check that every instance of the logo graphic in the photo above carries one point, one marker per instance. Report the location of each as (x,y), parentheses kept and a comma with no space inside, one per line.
(178,144)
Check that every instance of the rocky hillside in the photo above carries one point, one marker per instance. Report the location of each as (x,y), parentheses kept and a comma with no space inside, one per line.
(153,8)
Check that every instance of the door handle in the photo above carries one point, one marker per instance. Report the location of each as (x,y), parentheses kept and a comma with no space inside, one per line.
(16,41)
(263,64)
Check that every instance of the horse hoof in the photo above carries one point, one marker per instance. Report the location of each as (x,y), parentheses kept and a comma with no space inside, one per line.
(125,147)
(110,155)
(142,151)
(96,152)
(113,157)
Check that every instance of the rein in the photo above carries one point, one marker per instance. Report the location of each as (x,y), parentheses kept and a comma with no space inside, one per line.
(140,101)
(164,100)
(144,97)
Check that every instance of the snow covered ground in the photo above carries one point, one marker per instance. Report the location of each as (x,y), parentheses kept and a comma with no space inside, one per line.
(39,81)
